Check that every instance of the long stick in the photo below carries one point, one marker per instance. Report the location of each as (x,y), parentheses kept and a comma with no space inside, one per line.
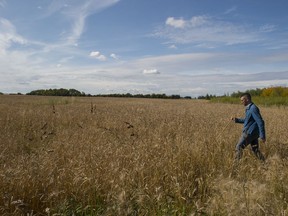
(221,133)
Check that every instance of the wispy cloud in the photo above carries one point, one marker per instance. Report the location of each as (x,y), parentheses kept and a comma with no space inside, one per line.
(206,29)
(77,29)
(8,35)
(59,55)
(77,12)
(267,28)
(230,10)
(2,3)
(72,14)
(178,63)
(194,73)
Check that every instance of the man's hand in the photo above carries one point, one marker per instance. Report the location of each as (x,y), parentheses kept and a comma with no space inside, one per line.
(233,118)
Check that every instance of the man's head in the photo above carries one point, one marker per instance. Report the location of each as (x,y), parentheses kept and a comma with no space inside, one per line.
(245,99)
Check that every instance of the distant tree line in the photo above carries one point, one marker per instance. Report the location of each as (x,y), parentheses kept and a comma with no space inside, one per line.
(74,92)
(128,95)
(57,92)
(278,91)
(253,92)
(266,96)
(207,97)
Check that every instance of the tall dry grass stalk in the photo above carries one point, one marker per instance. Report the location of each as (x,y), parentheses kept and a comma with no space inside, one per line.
(136,157)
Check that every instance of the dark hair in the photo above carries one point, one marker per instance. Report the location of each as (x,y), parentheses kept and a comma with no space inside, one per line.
(247,95)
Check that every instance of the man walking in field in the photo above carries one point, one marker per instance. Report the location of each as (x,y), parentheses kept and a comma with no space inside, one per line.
(253,128)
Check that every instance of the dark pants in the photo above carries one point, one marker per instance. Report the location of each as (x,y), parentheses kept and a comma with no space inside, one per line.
(244,141)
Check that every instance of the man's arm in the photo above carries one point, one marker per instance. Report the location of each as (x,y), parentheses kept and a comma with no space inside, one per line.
(238,120)
(260,122)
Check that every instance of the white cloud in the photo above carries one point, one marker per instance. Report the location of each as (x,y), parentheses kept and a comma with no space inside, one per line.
(95,54)
(98,55)
(151,71)
(114,56)
(181,23)
(173,46)
(101,57)
(176,23)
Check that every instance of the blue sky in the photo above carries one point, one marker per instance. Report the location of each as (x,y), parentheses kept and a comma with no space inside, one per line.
(186,47)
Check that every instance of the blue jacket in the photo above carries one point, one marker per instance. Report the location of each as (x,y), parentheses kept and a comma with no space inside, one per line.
(253,122)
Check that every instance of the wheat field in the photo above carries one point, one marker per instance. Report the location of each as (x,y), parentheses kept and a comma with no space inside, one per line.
(109,156)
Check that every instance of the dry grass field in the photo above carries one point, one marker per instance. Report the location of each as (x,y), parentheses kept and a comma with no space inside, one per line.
(108,156)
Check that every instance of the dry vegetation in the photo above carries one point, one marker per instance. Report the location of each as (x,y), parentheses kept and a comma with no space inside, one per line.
(104,156)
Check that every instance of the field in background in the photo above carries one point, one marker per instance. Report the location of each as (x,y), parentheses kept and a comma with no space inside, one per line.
(107,156)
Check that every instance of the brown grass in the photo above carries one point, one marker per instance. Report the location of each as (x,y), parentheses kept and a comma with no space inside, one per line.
(104,156)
